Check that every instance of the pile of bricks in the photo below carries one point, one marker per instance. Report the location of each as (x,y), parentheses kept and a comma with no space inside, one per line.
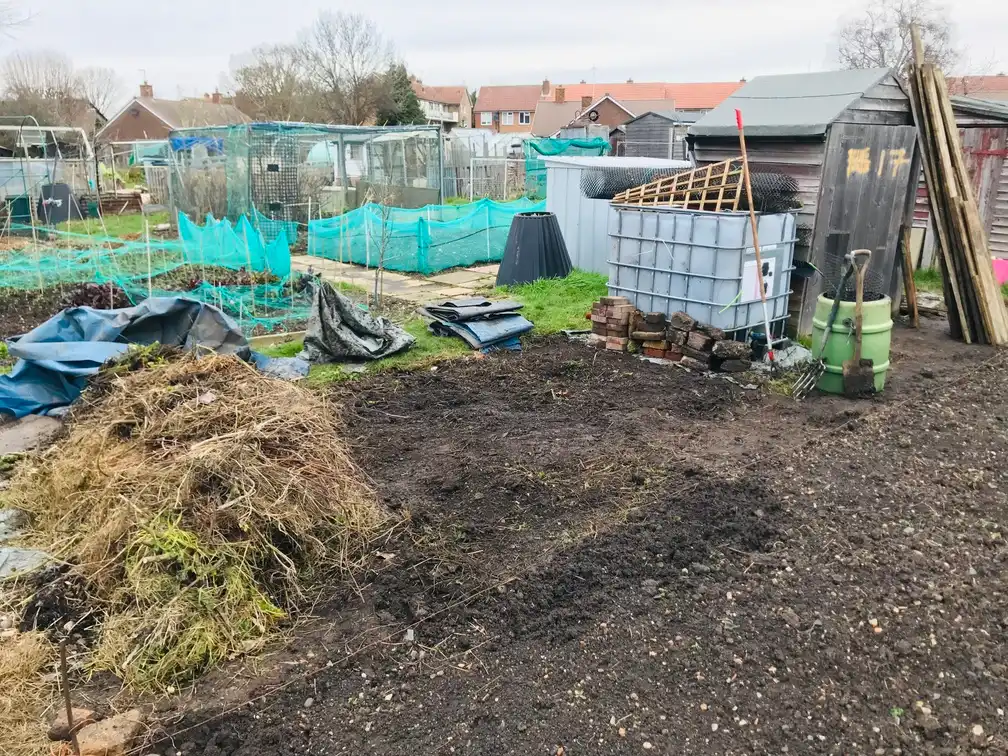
(610,319)
(617,325)
(680,338)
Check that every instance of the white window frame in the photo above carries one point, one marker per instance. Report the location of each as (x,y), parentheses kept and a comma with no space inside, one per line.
(508,118)
(525,118)
(486,118)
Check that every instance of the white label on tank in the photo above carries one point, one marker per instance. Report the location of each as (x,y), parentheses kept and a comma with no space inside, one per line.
(750,280)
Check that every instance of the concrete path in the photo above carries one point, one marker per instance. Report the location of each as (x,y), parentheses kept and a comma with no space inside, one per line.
(461,282)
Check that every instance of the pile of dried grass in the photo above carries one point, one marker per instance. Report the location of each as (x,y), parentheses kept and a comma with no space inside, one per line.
(25,696)
(196,497)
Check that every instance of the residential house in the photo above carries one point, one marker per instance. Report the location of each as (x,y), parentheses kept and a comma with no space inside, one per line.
(566,106)
(444,106)
(980,87)
(148,117)
(506,108)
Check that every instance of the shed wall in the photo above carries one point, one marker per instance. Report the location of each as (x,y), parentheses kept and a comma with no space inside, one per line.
(648,136)
(583,222)
(885,104)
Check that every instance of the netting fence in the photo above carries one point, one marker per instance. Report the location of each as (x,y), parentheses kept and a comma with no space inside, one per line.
(283,175)
(536,149)
(229,265)
(423,240)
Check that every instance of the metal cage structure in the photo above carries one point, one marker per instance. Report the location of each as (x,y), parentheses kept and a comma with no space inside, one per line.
(284,174)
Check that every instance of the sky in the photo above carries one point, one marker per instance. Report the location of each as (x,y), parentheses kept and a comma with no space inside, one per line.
(186,47)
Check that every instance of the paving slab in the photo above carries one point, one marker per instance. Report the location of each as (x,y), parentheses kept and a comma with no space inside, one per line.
(458,277)
(29,432)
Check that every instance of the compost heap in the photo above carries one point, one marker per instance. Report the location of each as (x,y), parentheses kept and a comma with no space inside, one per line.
(195,498)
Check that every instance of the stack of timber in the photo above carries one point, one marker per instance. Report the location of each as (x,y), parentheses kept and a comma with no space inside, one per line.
(976,311)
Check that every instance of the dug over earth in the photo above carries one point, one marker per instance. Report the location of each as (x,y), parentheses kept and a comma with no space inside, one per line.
(601,555)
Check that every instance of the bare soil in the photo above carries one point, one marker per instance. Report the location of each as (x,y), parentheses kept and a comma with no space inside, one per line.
(601,555)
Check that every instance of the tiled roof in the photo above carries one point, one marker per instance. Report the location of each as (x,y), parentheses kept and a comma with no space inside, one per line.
(181,114)
(512,97)
(447,95)
(693,96)
(550,117)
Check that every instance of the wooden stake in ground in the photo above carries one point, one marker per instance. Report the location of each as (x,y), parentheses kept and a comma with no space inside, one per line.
(150,290)
(755,237)
(909,285)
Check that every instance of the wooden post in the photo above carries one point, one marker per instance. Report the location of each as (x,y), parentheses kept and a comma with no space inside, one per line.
(150,288)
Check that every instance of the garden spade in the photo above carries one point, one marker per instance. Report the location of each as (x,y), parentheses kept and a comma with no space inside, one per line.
(859,373)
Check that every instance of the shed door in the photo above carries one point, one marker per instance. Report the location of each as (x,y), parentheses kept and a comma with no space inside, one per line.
(866,178)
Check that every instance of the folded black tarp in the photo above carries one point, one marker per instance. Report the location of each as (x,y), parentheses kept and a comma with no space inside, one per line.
(482,324)
(340,331)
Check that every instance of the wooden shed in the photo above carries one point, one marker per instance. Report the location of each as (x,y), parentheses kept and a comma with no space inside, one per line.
(658,134)
(847,138)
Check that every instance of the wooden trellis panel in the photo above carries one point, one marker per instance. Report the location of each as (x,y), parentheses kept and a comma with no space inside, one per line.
(714,187)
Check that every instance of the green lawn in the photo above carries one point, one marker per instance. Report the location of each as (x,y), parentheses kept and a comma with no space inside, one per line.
(929,279)
(553,305)
(118,226)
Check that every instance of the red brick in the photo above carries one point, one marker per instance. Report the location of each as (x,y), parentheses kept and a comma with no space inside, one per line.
(661,346)
(616,343)
(696,355)
(598,317)
(675,336)
(699,341)
(657,353)
(599,328)
(673,355)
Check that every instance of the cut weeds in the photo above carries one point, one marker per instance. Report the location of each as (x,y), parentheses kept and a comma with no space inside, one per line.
(196,498)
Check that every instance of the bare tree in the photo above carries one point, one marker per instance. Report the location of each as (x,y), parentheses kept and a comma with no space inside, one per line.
(271,85)
(42,75)
(100,87)
(880,37)
(344,56)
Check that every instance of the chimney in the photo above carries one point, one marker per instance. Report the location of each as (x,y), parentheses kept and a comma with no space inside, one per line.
(545,87)
(583,81)
(146,90)
(559,94)
(586,100)
(629,81)
(215,97)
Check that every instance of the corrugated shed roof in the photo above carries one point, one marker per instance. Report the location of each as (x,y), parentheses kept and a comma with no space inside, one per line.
(183,114)
(515,98)
(790,105)
(450,95)
(995,111)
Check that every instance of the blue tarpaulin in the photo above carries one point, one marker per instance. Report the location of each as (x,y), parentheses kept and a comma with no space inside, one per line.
(56,358)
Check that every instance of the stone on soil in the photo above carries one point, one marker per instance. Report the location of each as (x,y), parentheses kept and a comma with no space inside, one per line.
(60,728)
(19,561)
(111,737)
(732,350)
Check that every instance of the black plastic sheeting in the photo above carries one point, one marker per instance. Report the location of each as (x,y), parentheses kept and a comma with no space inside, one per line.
(535,249)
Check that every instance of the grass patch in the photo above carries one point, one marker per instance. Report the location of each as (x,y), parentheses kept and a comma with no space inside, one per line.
(427,350)
(25,696)
(558,304)
(119,226)
(928,279)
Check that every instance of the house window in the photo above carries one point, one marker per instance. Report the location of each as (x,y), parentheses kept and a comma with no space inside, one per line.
(525,118)
(486,118)
(508,118)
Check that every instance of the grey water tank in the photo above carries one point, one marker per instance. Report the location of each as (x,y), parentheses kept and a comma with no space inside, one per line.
(701,263)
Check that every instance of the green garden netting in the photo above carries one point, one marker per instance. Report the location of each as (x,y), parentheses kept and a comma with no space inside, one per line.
(536,149)
(425,240)
(54,259)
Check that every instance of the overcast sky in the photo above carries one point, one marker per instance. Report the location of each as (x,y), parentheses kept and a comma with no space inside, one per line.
(185,46)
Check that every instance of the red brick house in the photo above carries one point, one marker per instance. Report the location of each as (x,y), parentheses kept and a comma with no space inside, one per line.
(149,117)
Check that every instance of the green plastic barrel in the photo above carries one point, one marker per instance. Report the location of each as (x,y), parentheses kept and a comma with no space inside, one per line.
(876,335)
